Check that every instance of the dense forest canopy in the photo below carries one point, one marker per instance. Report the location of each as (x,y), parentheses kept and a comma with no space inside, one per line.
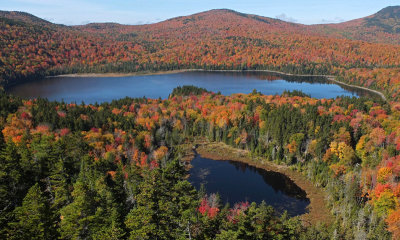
(114,170)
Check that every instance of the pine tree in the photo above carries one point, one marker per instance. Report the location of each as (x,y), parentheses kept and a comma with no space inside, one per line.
(33,220)
(165,206)
(10,175)
(59,185)
(11,186)
(110,220)
(77,217)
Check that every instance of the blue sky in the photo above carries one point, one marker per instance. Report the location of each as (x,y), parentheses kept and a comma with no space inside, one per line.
(73,12)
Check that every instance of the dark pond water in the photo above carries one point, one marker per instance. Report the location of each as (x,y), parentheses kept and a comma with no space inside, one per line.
(238,182)
(102,89)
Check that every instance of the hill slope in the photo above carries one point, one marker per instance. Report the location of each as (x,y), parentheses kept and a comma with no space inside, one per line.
(216,39)
(387,20)
(383,27)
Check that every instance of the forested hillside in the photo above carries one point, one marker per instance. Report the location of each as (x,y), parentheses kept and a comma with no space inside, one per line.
(381,27)
(217,39)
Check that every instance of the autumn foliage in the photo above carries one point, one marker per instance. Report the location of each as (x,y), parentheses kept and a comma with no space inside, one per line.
(217,39)
(340,137)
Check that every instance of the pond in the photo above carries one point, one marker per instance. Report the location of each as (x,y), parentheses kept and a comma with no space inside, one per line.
(238,182)
(103,89)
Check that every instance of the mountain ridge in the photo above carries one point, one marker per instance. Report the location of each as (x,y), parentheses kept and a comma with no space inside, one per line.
(385,22)
(216,39)
(380,27)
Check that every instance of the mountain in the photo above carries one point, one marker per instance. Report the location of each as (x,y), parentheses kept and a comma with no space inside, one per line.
(217,39)
(23,16)
(217,22)
(382,27)
(16,17)
(221,19)
(387,20)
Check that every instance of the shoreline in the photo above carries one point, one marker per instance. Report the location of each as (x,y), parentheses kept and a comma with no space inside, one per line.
(330,78)
(317,209)
(119,74)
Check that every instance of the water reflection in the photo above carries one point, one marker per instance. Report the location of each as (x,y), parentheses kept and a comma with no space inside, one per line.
(102,89)
(278,181)
(237,182)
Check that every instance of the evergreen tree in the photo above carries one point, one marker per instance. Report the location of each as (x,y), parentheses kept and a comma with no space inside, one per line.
(78,217)
(111,208)
(164,207)
(33,220)
(12,188)
(59,185)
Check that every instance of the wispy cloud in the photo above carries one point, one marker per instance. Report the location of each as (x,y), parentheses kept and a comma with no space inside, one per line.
(335,20)
(283,17)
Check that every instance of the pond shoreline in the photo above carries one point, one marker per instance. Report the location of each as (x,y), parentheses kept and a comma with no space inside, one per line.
(317,209)
(330,78)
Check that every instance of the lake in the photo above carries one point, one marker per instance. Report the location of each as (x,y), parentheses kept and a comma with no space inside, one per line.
(239,182)
(105,89)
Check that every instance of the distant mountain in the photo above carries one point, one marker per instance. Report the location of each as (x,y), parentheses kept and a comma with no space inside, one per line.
(383,27)
(25,18)
(218,22)
(225,17)
(387,20)
(217,39)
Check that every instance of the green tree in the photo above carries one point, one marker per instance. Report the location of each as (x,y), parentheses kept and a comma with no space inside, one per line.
(12,187)
(165,206)
(33,220)
(77,217)
(98,206)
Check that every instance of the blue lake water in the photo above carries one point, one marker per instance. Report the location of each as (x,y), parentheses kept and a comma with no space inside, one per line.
(102,89)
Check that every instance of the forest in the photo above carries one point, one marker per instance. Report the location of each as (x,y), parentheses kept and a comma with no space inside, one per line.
(217,39)
(114,170)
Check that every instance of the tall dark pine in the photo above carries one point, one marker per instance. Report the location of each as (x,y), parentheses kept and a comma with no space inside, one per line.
(33,220)
(11,189)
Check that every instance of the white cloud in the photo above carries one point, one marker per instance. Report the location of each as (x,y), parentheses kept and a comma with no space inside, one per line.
(283,17)
(335,20)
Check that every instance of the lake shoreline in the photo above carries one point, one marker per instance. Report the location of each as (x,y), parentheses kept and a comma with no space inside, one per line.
(317,208)
(330,78)
(147,73)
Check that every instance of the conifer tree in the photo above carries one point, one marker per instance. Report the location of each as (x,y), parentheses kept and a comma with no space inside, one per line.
(164,207)
(11,187)
(33,220)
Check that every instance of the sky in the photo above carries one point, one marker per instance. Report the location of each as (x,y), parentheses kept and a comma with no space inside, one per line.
(77,12)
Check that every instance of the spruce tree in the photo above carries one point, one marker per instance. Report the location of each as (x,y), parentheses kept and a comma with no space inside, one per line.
(78,216)
(165,206)
(33,220)
(11,187)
